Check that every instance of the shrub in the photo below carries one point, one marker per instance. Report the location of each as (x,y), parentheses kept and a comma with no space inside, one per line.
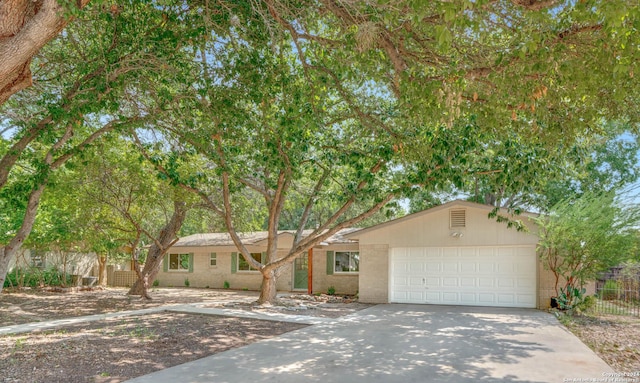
(36,277)
(186,282)
(226,285)
(587,303)
(570,297)
(331,290)
(156,283)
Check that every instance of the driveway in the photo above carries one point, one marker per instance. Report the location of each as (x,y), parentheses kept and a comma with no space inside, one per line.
(407,343)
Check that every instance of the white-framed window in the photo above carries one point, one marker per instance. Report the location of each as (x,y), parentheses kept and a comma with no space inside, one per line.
(213,260)
(243,265)
(178,262)
(347,262)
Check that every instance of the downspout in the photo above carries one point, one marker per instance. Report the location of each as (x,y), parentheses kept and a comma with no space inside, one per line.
(310,272)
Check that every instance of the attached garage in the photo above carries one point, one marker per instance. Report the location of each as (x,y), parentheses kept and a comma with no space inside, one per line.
(502,276)
(453,254)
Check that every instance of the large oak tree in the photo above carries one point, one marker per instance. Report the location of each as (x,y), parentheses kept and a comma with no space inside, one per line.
(388,95)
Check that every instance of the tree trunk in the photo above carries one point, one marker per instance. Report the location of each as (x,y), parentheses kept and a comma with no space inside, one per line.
(157,251)
(9,250)
(268,289)
(102,270)
(25,27)
(4,266)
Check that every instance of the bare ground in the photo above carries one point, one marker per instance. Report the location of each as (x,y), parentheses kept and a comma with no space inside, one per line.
(114,350)
(615,338)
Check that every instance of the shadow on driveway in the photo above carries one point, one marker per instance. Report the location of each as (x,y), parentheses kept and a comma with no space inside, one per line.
(407,343)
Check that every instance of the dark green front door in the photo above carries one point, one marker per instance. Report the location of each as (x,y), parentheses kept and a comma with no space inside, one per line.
(301,273)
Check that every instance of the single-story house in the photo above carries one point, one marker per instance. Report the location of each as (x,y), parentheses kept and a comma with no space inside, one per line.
(450,254)
(212,260)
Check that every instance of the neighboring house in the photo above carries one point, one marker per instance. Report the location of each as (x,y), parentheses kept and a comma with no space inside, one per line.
(74,263)
(211,259)
(452,254)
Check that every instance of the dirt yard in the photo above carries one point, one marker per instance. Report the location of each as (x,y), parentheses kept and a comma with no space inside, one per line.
(115,350)
(616,339)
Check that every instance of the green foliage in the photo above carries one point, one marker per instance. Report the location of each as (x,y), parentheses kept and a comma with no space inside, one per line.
(226,285)
(611,290)
(570,297)
(331,290)
(186,282)
(583,236)
(587,303)
(36,278)
(156,283)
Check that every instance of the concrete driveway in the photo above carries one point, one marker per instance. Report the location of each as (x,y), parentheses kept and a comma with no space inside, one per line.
(407,343)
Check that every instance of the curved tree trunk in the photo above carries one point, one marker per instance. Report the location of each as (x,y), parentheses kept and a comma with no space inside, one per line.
(8,251)
(25,27)
(158,249)
(268,290)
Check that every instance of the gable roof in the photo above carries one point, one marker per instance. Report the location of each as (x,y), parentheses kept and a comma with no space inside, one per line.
(252,238)
(448,205)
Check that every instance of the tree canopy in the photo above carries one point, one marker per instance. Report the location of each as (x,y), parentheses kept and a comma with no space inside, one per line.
(351,103)
(583,236)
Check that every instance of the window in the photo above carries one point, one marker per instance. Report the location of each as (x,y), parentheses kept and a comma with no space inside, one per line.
(243,265)
(347,262)
(457,218)
(37,260)
(213,260)
(179,262)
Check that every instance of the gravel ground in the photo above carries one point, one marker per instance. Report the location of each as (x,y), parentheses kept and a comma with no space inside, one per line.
(114,350)
(616,339)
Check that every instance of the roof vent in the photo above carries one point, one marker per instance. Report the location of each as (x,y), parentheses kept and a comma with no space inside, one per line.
(457,218)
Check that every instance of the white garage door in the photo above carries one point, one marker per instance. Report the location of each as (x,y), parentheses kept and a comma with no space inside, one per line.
(478,276)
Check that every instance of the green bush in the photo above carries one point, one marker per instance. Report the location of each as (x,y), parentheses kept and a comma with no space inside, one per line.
(226,284)
(156,283)
(36,277)
(587,303)
(611,290)
(570,297)
(331,290)
(186,282)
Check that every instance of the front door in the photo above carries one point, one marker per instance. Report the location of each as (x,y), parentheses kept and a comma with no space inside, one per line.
(301,273)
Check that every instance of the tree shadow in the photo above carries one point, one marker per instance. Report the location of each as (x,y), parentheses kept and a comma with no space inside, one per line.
(392,343)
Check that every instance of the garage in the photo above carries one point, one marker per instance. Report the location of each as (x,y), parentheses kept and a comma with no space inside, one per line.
(499,276)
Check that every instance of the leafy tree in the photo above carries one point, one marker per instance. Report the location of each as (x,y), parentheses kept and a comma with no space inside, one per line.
(89,86)
(390,81)
(583,236)
(25,27)
(600,162)
(143,210)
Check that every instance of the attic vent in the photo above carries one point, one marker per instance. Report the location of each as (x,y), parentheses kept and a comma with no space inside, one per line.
(457,218)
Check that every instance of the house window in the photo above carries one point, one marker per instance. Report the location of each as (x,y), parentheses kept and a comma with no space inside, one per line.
(213,260)
(179,262)
(243,265)
(457,218)
(347,262)
(37,260)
